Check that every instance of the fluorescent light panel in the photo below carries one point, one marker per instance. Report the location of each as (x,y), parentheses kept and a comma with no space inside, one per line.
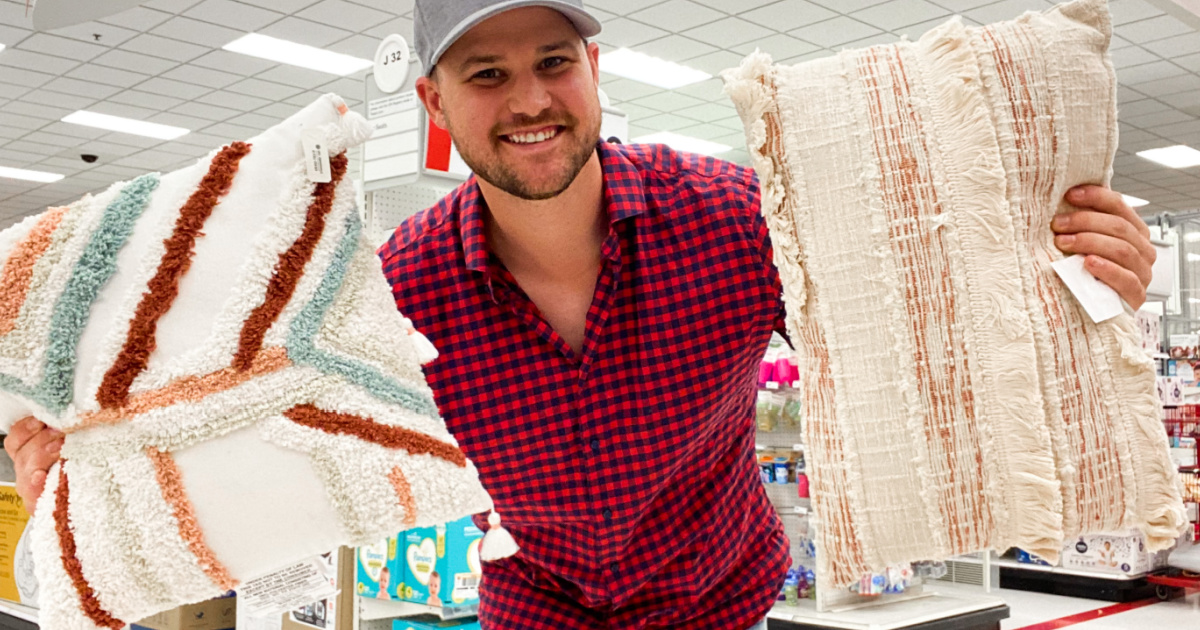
(33,176)
(291,53)
(1178,156)
(684,143)
(125,125)
(668,75)
(1135,202)
(1193,257)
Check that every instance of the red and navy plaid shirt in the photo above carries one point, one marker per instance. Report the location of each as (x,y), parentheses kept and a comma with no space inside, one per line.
(626,471)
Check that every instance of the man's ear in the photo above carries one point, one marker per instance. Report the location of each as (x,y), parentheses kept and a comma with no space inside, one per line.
(431,97)
(593,54)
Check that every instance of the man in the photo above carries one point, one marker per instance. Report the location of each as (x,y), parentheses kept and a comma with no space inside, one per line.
(600,313)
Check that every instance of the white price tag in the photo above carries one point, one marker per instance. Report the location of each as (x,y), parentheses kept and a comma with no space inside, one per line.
(1099,300)
(772,385)
(295,586)
(316,155)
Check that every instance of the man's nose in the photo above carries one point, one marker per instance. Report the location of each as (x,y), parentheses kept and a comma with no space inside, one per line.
(529,96)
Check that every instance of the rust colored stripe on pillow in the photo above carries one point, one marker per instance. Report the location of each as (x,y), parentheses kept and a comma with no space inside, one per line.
(66,541)
(290,268)
(382,434)
(170,480)
(18,270)
(405,495)
(164,286)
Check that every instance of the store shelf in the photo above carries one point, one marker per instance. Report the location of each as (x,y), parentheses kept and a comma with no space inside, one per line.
(937,608)
(14,616)
(1006,563)
(370,609)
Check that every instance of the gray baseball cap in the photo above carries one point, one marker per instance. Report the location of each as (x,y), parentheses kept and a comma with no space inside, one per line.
(437,24)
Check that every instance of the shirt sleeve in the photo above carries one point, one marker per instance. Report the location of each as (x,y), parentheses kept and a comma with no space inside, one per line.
(762,243)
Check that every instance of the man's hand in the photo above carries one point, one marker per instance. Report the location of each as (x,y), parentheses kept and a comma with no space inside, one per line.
(34,448)
(1113,237)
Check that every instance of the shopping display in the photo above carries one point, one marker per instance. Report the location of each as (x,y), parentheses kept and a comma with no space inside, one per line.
(957,397)
(216,342)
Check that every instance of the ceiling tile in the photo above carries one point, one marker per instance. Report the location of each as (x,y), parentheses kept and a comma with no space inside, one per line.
(900,13)
(227,132)
(636,112)
(16,13)
(833,33)
(1116,42)
(788,15)
(1132,56)
(279,110)
(179,120)
(168,87)
(67,129)
(352,17)
(283,6)
(24,122)
(676,48)
(305,32)
(708,112)
(106,75)
(226,61)
(1153,29)
(81,88)
(1149,72)
(27,78)
(668,101)
(850,6)
(202,76)
(1141,108)
(714,63)
(730,32)
(620,7)
(1003,10)
(39,62)
(10,35)
(400,26)
(1164,87)
(197,32)
(171,6)
(397,7)
(205,111)
(710,90)
(54,139)
(138,18)
(11,133)
(1176,46)
(61,46)
(163,47)
(57,99)
(915,31)
(46,113)
(703,131)
(779,46)
(145,99)
(1153,121)
(302,78)
(241,102)
(1126,94)
(361,46)
(626,33)
(132,61)
(1177,129)
(667,122)
(1131,10)
(679,14)
(1183,100)
(226,12)
(123,109)
(264,89)
(98,33)
(626,89)
(201,140)
(255,121)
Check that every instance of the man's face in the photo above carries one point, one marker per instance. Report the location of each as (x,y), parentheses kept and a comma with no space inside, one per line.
(518,94)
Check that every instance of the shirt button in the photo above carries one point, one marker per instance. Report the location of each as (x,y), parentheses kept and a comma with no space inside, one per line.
(607,514)
(614,567)
(595,446)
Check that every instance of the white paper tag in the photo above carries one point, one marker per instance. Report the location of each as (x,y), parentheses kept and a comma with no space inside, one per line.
(1099,300)
(298,585)
(316,155)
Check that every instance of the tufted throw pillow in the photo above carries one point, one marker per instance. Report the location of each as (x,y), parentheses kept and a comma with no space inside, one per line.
(237,389)
(958,398)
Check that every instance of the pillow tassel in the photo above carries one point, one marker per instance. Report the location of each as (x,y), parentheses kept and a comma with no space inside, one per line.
(497,542)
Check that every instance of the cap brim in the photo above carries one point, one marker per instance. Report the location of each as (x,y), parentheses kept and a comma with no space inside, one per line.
(584,22)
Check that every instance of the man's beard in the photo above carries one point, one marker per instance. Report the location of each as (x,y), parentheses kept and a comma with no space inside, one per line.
(500,174)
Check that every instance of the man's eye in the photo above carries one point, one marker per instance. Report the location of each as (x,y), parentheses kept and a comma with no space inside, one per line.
(490,73)
(553,61)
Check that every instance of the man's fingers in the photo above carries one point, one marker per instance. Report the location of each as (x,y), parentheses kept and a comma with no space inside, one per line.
(20,433)
(1122,280)
(33,489)
(1100,223)
(1092,197)
(1111,249)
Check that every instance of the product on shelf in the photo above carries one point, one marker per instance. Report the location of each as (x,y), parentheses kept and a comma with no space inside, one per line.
(440,565)
(952,290)
(1108,553)
(218,341)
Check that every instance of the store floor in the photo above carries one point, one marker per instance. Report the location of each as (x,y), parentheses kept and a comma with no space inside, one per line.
(1037,611)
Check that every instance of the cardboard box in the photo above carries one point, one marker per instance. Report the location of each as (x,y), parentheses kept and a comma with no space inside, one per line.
(18,583)
(1119,554)
(376,572)
(456,624)
(336,612)
(215,614)
(441,565)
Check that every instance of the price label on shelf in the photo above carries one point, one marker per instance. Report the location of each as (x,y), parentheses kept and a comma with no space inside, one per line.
(799,509)
(772,385)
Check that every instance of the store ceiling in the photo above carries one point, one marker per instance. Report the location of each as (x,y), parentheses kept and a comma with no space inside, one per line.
(163,62)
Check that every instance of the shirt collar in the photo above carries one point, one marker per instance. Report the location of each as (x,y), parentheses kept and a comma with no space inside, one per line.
(624,198)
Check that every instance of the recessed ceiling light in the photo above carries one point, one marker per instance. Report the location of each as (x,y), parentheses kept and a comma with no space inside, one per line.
(33,176)
(125,125)
(1134,202)
(1193,257)
(668,75)
(1178,156)
(291,53)
(684,143)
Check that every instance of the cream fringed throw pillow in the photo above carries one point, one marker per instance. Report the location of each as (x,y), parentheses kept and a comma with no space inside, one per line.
(958,398)
(237,388)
